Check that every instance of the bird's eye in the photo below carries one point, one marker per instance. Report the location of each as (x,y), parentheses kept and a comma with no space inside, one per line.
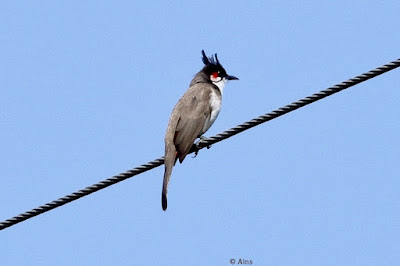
(215,74)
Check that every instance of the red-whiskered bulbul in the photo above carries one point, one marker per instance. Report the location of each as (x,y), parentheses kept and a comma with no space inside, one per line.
(194,114)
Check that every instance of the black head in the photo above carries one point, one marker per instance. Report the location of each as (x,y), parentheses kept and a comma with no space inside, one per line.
(214,69)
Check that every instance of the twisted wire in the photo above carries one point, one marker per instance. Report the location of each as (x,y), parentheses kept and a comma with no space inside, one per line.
(298,104)
(81,193)
(201,144)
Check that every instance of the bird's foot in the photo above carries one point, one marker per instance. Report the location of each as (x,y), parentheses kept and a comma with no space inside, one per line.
(197,147)
(203,138)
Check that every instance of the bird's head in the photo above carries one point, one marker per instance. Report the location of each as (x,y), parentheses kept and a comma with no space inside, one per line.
(214,70)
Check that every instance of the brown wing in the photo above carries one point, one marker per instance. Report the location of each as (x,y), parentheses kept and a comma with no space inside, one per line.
(185,125)
(194,110)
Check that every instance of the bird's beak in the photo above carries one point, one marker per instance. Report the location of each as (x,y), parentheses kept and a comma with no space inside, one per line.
(231,78)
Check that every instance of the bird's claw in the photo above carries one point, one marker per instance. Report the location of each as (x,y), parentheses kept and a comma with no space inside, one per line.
(203,138)
(197,146)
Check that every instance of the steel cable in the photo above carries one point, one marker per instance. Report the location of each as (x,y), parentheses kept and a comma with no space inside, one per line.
(201,144)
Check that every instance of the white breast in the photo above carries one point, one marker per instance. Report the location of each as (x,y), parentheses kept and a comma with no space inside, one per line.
(215,103)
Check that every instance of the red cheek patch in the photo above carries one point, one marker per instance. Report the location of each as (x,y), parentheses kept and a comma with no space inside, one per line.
(214,75)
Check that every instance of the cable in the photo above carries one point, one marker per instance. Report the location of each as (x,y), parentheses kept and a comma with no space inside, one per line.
(203,143)
(300,103)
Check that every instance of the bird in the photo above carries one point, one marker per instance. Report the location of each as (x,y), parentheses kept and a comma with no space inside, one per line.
(193,115)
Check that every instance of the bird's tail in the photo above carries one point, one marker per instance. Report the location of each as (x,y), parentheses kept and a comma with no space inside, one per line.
(169,161)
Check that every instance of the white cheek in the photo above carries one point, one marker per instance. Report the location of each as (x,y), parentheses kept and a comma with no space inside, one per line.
(220,84)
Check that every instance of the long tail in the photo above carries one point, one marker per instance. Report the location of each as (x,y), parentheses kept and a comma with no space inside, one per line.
(169,161)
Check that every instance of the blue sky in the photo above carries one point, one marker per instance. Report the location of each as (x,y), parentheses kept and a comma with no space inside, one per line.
(87,88)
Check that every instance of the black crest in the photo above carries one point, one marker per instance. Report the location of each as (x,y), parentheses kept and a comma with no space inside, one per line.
(212,60)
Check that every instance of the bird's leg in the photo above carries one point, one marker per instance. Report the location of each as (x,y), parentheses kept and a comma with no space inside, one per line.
(197,145)
(203,138)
